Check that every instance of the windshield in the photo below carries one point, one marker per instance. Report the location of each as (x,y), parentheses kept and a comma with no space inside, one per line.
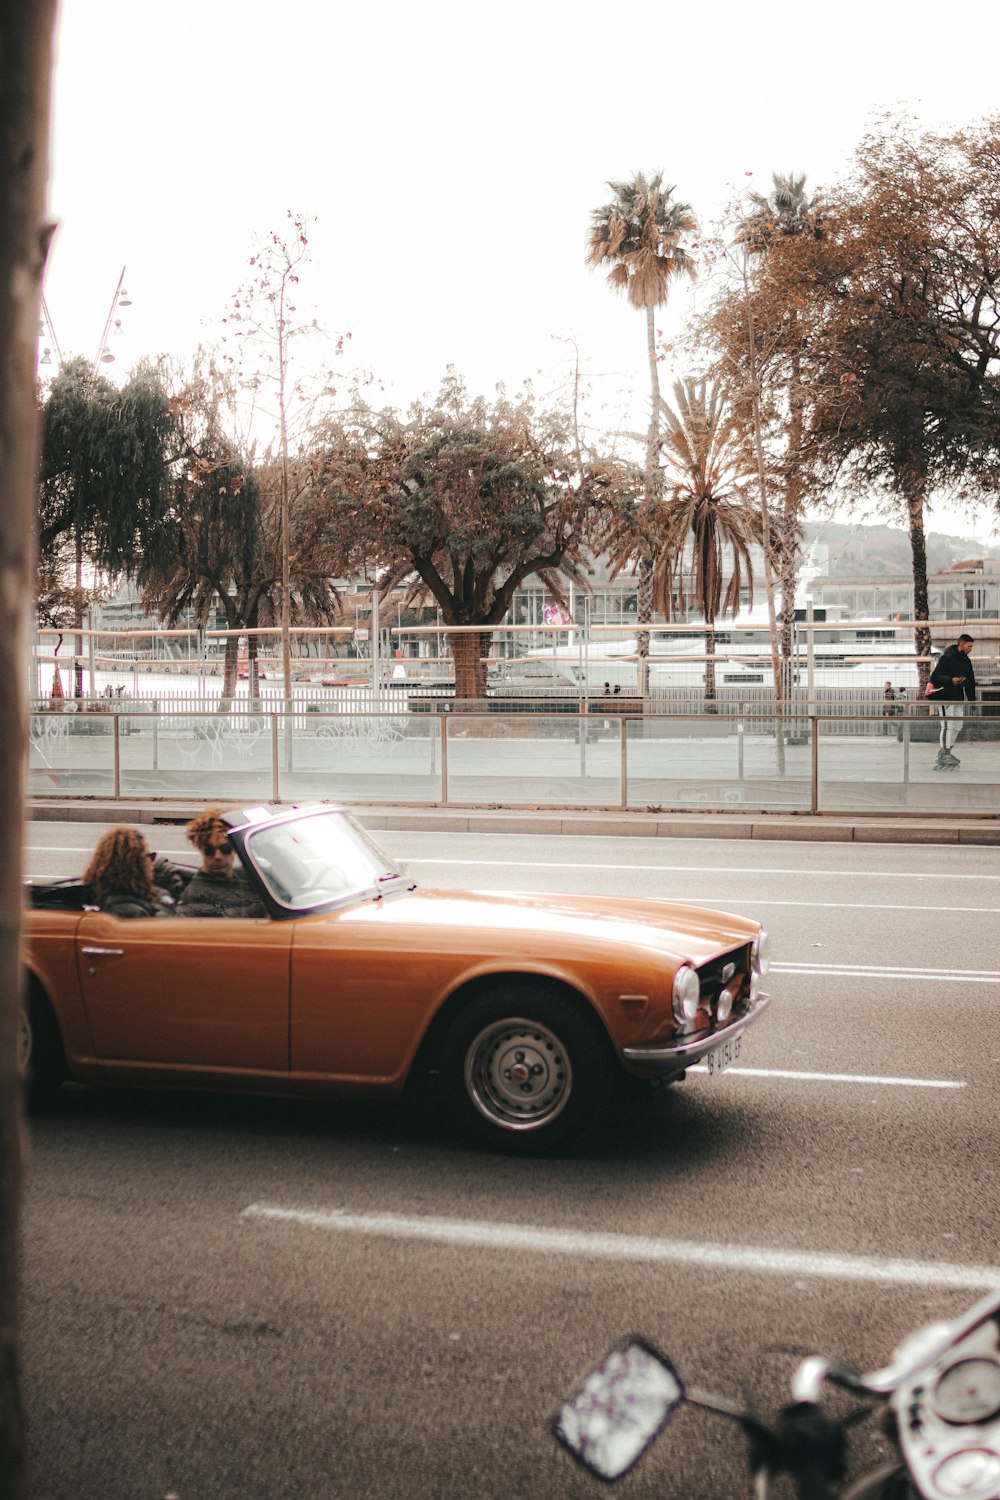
(313,860)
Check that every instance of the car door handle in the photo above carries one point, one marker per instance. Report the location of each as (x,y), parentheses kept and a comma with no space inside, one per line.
(104,952)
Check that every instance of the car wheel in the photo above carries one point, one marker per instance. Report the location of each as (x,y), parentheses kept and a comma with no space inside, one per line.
(526,1070)
(40,1051)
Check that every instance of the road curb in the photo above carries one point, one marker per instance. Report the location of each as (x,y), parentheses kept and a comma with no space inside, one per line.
(549,822)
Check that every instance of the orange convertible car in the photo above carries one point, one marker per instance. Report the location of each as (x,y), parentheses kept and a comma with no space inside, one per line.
(523,1010)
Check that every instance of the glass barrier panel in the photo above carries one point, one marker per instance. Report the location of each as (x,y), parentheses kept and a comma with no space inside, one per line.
(550,760)
(714,762)
(71,753)
(905,770)
(205,754)
(364,757)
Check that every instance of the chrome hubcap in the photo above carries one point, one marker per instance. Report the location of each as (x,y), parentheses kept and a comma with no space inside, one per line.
(517,1074)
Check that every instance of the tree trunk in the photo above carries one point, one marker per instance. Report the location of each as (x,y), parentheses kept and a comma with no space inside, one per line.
(915,486)
(644,614)
(765,515)
(470,668)
(644,589)
(25,72)
(230,667)
(78,618)
(711,705)
(791,514)
(253,677)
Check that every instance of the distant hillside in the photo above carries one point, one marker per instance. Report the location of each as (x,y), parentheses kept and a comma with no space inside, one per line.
(874,551)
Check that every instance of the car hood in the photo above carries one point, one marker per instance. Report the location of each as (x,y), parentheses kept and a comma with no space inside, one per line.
(664,928)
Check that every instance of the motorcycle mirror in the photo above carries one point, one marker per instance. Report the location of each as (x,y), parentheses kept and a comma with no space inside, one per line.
(617,1410)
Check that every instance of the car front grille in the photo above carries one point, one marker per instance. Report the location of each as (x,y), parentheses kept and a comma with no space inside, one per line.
(717,973)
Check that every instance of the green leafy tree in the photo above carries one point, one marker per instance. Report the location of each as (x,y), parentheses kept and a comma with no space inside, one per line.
(905,377)
(460,502)
(776,228)
(637,235)
(104,472)
(705,523)
(750,335)
(265,325)
(708,511)
(224,544)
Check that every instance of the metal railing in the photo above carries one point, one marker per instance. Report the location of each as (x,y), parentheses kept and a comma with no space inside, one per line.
(617,754)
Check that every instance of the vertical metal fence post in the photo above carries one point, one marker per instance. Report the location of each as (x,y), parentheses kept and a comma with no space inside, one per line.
(624,763)
(443,730)
(906,749)
(814,742)
(115,725)
(583,729)
(156,739)
(275,783)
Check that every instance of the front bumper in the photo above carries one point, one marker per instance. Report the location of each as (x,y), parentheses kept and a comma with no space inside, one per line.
(669,1059)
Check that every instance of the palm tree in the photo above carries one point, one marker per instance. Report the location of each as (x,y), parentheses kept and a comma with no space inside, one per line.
(637,234)
(787,212)
(706,507)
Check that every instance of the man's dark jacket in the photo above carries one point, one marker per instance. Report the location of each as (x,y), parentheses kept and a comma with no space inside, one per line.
(953,663)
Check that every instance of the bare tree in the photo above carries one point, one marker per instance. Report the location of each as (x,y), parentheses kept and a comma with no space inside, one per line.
(26,28)
(267,322)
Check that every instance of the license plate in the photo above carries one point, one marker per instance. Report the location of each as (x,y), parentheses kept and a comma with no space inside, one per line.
(724,1056)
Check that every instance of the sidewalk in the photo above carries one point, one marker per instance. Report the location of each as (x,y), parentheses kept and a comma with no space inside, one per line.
(819,828)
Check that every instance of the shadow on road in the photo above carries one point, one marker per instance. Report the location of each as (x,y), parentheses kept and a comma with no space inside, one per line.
(665,1130)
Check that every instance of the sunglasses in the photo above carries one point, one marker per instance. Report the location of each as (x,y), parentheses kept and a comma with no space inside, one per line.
(225,848)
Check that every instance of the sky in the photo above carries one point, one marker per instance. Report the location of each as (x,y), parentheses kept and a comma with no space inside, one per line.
(448,155)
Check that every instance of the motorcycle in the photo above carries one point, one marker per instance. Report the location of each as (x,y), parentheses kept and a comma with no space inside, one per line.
(940,1396)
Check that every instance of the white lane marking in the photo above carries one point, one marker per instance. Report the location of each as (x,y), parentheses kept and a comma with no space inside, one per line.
(890,971)
(908,1083)
(755,900)
(552,864)
(628,1247)
(714,900)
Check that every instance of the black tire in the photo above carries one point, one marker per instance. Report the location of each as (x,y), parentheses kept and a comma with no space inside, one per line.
(526,1069)
(42,1059)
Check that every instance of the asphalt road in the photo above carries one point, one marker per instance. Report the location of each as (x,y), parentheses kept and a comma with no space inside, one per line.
(237,1298)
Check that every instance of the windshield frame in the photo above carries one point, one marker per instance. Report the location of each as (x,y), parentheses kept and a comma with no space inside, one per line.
(374,873)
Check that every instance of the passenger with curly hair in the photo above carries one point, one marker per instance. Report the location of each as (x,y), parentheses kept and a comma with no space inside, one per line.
(126,879)
(218,889)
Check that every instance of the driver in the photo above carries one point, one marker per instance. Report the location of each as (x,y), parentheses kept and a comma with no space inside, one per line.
(218,888)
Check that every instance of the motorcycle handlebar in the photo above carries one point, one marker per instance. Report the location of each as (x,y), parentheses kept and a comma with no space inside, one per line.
(918,1352)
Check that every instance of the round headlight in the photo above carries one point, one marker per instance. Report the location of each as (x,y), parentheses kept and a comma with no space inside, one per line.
(686,994)
(759,956)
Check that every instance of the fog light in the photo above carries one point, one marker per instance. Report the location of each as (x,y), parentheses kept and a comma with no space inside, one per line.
(724,1005)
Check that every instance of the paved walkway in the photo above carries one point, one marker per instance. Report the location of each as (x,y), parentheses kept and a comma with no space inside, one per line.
(950,829)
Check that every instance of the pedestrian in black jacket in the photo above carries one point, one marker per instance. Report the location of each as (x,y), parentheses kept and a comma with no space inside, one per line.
(952,685)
